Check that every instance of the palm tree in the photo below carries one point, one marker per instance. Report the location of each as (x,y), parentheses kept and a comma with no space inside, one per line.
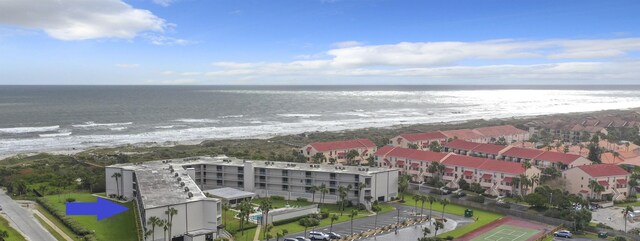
(426,231)
(417,198)
(595,187)
(354,213)
(422,199)
(313,190)
(375,208)
(342,191)
(265,206)
(153,221)
(444,203)
(117,176)
(431,199)
(334,217)
(225,208)
(438,225)
(633,183)
(323,190)
(615,155)
(625,213)
(403,185)
(281,234)
(170,213)
(515,183)
(268,231)
(165,225)
(245,210)
(360,186)
(524,183)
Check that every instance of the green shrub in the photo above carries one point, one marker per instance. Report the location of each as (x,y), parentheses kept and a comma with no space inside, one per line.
(301,199)
(67,221)
(70,199)
(478,199)
(277,198)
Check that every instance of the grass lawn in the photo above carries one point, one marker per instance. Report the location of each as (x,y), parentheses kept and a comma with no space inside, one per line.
(58,224)
(484,217)
(330,208)
(119,227)
(13,234)
(232,225)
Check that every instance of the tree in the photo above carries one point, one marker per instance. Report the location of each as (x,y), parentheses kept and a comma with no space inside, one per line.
(444,203)
(403,185)
(501,141)
(351,155)
(412,146)
(281,234)
(245,210)
(371,161)
(308,222)
(170,213)
(431,199)
(323,190)
(332,160)
(464,185)
(595,188)
(342,193)
(165,225)
(425,231)
(535,200)
(3,235)
(117,176)
(334,217)
(376,209)
(225,208)
(625,213)
(268,231)
(360,186)
(437,226)
(318,158)
(615,155)
(313,191)
(354,213)
(154,221)
(417,198)
(422,200)
(435,146)
(633,183)
(265,206)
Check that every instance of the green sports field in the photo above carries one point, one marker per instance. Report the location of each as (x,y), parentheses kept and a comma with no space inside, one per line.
(507,233)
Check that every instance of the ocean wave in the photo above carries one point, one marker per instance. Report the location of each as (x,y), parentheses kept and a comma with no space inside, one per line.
(231,116)
(20,130)
(299,115)
(118,128)
(165,127)
(198,120)
(92,124)
(56,134)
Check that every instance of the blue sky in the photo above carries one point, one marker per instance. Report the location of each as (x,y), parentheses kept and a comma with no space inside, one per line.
(319,42)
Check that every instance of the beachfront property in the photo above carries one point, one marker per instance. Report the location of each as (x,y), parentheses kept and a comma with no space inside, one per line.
(337,151)
(468,148)
(178,183)
(495,176)
(490,134)
(612,178)
(160,186)
(578,130)
(408,161)
(543,159)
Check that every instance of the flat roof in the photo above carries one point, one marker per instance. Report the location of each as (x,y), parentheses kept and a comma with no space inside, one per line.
(229,193)
(159,186)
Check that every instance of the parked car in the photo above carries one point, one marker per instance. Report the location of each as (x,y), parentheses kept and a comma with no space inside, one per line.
(445,191)
(300,238)
(289,239)
(563,233)
(461,194)
(314,235)
(333,235)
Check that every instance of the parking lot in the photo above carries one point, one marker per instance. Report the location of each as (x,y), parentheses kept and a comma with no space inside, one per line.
(612,216)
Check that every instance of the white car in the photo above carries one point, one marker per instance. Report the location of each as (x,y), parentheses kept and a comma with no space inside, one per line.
(563,233)
(314,235)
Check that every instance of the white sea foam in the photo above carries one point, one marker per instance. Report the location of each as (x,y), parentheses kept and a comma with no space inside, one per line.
(164,127)
(231,116)
(20,130)
(118,128)
(299,115)
(92,124)
(198,120)
(56,134)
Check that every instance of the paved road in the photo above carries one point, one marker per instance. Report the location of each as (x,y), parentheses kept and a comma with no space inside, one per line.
(368,223)
(24,220)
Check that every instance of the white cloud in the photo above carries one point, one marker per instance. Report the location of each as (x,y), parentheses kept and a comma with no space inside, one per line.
(164,3)
(563,60)
(347,44)
(165,40)
(127,66)
(80,19)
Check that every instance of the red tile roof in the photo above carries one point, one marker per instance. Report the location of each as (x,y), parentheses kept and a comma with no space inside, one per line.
(448,170)
(424,136)
(507,179)
(462,134)
(555,157)
(603,170)
(495,131)
(522,152)
(343,145)
(484,164)
(461,145)
(410,154)
(622,181)
(603,183)
(487,176)
(489,148)
(468,173)
(415,164)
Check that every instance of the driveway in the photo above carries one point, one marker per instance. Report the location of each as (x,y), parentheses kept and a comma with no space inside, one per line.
(23,219)
(368,223)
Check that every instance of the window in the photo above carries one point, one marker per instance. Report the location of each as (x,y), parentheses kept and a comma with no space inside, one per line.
(285,180)
(308,174)
(219,182)
(240,169)
(285,188)
(240,176)
(240,184)
(333,175)
(262,185)
(285,173)
(218,168)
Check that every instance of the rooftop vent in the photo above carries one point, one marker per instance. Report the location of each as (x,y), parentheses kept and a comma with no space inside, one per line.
(182,184)
(190,195)
(179,178)
(175,174)
(186,189)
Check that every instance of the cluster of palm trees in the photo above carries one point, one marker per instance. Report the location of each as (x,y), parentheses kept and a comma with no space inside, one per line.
(322,189)
(595,188)
(523,181)
(165,224)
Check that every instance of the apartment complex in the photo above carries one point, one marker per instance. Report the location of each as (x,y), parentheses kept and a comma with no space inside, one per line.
(468,148)
(612,178)
(336,151)
(159,186)
(480,135)
(409,161)
(496,177)
(544,159)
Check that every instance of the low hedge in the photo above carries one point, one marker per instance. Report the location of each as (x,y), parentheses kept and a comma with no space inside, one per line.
(478,199)
(67,221)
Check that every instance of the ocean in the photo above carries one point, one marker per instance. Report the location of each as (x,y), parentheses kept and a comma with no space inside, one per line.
(50,118)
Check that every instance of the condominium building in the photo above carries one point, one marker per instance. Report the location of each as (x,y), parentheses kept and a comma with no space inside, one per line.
(414,163)
(337,151)
(160,186)
(544,159)
(468,148)
(612,178)
(490,134)
(420,140)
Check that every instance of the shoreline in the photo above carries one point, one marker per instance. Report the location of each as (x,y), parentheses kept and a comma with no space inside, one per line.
(400,128)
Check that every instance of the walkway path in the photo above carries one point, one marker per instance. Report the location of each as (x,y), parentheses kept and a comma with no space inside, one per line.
(52,225)
(256,237)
